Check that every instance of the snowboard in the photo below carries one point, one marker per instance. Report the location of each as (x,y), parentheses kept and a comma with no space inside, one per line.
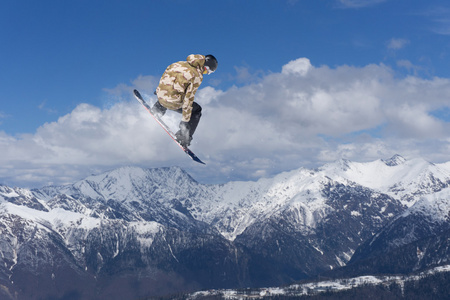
(166,128)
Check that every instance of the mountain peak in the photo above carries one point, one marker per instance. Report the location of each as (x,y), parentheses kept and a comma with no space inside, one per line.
(133,172)
(395,160)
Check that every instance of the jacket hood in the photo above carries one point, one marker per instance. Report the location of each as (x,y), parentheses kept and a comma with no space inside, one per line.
(196,60)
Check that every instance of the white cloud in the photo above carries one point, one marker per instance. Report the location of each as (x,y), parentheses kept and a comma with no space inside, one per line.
(246,75)
(302,116)
(359,3)
(414,121)
(143,83)
(396,44)
(439,16)
(43,106)
(299,66)
(404,63)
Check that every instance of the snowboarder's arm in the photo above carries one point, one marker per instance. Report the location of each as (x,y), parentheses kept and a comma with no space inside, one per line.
(189,99)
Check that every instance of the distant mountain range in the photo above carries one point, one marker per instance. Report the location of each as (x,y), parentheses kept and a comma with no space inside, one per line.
(132,232)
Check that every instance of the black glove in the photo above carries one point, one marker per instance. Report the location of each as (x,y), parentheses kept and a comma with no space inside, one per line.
(183,135)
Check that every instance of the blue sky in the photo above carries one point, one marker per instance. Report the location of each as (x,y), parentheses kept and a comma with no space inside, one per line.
(299,83)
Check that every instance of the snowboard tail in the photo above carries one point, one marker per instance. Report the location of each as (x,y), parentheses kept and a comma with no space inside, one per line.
(165,127)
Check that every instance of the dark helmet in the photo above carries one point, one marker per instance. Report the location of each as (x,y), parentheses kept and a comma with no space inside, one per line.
(211,62)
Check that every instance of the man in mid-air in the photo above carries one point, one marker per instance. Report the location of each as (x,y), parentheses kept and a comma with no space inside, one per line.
(176,91)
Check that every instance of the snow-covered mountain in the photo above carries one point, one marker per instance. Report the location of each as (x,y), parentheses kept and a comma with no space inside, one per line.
(133,232)
(405,180)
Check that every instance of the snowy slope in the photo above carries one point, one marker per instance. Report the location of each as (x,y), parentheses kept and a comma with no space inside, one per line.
(403,179)
(436,206)
(233,207)
(237,205)
(132,194)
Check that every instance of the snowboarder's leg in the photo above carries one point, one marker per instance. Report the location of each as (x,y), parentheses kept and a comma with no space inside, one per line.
(195,118)
(158,110)
(186,132)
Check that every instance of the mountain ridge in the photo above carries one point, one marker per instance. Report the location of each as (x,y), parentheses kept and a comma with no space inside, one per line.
(161,226)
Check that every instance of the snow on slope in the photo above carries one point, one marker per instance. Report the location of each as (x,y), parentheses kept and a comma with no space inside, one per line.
(234,206)
(55,216)
(397,177)
(237,205)
(444,166)
(64,218)
(231,207)
(436,206)
(122,184)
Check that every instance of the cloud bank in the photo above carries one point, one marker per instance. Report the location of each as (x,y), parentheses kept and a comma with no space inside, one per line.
(302,116)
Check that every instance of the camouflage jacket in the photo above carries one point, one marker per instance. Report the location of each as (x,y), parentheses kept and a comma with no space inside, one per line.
(179,83)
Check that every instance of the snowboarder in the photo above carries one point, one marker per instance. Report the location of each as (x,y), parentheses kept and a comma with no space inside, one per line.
(176,91)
